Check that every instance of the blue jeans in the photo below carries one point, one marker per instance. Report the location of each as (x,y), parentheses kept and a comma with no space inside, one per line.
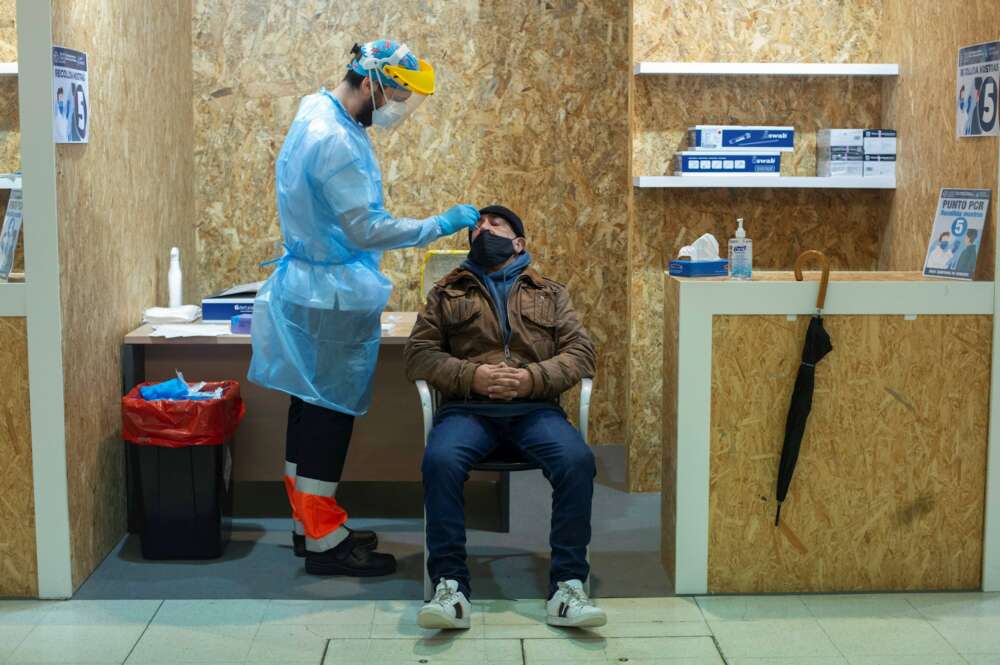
(458,440)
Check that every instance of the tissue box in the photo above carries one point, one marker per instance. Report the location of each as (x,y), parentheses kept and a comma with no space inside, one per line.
(716,268)
(740,137)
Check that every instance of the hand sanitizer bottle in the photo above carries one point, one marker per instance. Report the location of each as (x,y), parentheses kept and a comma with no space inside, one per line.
(174,278)
(740,254)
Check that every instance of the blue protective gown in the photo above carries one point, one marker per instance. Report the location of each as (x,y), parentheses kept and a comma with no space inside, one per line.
(316,322)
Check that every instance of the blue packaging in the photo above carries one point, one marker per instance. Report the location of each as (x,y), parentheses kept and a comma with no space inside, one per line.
(219,309)
(740,137)
(223,306)
(716,268)
(240,324)
(699,162)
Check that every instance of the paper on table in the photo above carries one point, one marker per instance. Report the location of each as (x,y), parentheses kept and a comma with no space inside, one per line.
(191,330)
(164,315)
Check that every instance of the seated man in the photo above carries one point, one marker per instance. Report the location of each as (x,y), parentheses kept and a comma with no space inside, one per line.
(501,343)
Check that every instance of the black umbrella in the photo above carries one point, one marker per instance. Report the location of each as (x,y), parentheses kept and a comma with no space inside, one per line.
(817,345)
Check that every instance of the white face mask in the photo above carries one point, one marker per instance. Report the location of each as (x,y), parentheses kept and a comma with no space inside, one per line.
(391,114)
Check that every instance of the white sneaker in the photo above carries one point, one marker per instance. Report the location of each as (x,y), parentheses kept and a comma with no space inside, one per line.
(570,607)
(449,609)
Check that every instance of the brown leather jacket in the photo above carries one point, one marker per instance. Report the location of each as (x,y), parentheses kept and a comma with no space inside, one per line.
(459,329)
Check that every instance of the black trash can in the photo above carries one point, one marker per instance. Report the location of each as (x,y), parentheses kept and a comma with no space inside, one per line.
(180,470)
(185,497)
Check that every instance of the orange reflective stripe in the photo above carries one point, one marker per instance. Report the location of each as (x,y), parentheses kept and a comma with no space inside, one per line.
(320,515)
(290,490)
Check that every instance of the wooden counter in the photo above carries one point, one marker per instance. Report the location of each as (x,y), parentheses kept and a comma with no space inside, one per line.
(396,330)
(387,444)
(890,488)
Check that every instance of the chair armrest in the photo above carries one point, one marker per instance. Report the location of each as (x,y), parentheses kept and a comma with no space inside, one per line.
(586,390)
(427,406)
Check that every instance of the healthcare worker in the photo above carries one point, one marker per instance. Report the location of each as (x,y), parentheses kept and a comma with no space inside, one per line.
(317,319)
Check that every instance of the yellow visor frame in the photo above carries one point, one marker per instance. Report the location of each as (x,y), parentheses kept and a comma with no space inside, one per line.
(420,81)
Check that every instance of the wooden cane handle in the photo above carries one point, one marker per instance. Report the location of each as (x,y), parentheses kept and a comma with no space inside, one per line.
(824,266)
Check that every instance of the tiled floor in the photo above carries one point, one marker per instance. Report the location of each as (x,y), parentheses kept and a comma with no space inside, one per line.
(258,562)
(894,629)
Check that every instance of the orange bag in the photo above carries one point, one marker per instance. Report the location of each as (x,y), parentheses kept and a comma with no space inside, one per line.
(183,423)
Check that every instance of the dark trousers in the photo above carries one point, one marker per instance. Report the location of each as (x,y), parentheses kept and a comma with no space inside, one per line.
(458,440)
(316,444)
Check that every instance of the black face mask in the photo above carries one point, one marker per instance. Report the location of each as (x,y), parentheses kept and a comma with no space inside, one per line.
(488,250)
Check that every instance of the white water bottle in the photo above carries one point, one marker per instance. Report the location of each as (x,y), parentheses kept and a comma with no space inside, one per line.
(175,282)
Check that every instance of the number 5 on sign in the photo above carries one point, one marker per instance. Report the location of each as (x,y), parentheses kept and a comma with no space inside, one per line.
(70,96)
(987,116)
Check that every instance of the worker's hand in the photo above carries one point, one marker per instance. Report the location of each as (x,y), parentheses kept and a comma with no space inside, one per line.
(510,383)
(457,218)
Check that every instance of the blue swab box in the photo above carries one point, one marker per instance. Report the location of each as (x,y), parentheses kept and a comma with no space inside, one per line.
(223,306)
(741,137)
(723,162)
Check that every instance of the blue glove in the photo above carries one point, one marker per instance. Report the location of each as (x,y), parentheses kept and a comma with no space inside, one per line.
(175,388)
(457,218)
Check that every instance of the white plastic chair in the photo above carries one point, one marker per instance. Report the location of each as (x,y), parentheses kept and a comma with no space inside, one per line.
(429,402)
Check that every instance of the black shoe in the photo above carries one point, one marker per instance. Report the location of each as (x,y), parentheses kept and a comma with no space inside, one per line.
(364,538)
(351,559)
(367,539)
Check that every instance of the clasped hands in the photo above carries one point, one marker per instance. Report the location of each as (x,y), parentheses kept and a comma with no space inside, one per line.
(501,382)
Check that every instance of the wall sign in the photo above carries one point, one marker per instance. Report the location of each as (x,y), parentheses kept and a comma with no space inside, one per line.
(977,83)
(957,233)
(71,96)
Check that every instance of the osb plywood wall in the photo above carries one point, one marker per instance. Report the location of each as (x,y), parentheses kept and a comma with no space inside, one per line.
(782,223)
(756,30)
(10,125)
(8,30)
(925,40)
(118,218)
(531,113)
(18,572)
(889,489)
